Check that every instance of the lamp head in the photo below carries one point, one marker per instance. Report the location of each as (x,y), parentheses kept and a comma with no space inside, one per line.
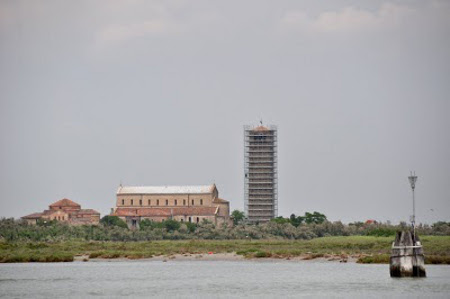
(412,180)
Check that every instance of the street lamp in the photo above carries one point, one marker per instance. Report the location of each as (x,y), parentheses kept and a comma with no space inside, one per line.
(412,180)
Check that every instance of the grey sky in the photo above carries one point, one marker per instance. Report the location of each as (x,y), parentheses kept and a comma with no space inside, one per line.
(93,93)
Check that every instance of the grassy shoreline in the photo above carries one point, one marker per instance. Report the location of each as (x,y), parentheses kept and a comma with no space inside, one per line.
(364,249)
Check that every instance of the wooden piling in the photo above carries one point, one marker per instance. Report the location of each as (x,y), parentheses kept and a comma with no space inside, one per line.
(407,259)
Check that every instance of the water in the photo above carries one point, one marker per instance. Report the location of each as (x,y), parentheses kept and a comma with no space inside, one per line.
(221,279)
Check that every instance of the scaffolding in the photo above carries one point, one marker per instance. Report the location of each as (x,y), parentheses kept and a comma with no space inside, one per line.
(260,173)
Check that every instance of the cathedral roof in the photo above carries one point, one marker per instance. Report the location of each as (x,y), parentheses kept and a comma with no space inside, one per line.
(166,189)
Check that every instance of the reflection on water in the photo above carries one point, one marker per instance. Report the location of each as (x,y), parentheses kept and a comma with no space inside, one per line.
(215,279)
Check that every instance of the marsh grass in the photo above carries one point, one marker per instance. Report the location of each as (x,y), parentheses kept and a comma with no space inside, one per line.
(374,249)
(374,259)
(437,259)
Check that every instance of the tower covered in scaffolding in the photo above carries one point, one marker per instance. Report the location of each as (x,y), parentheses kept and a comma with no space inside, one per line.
(260,167)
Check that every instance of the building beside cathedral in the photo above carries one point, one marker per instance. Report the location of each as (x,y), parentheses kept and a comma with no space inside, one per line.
(181,203)
(260,173)
(66,211)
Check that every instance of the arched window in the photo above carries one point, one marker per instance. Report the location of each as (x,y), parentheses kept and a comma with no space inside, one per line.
(198,219)
(149,202)
(190,219)
(192,202)
(123,202)
(201,202)
(176,202)
(167,202)
(131,202)
(184,202)
(157,202)
(140,202)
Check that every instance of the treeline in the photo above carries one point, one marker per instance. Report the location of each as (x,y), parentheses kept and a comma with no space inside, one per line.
(308,218)
(114,229)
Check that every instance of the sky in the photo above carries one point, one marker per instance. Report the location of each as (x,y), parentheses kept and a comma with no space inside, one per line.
(98,93)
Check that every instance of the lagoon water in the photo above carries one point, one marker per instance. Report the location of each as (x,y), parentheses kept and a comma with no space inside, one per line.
(223,279)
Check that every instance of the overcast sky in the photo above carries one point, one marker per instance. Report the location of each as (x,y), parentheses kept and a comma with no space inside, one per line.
(94,93)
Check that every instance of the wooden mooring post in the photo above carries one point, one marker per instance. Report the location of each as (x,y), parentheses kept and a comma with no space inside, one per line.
(407,258)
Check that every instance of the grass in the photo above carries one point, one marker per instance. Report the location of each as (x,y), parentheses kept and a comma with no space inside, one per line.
(372,249)
(374,259)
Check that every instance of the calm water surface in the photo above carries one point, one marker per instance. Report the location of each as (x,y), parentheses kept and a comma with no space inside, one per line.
(208,279)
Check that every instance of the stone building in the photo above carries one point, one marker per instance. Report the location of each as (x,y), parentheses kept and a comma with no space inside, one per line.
(182,203)
(67,211)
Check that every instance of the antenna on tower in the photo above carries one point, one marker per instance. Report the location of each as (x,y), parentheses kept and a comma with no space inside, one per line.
(412,180)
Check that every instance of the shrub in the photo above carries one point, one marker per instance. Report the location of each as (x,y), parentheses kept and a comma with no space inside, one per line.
(114,229)
(113,221)
(171,225)
(261,254)
(381,232)
(237,216)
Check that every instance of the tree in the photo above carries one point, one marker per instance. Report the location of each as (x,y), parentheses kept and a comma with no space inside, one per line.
(280,220)
(296,221)
(144,223)
(190,226)
(237,216)
(113,221)
(171,225)
(315,217)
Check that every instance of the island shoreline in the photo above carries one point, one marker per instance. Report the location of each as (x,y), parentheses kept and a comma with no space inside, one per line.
(361,249)
(225,257)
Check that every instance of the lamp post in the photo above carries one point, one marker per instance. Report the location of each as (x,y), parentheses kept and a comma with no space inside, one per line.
(412,180)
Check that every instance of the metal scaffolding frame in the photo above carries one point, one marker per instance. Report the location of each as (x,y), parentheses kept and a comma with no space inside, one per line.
(260,172)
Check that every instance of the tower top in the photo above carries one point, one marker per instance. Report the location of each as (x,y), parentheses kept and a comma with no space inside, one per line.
(412,179)
(260,127)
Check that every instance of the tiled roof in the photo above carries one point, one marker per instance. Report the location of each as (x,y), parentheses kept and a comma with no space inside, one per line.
(65,203)
(33,216)
(166,189)
(166,212)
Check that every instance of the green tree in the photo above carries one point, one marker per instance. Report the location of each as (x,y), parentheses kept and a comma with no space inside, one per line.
(441,228)
(171,225)
(296,221)
(146,223)
(237,216)
(113,221)
(280,220)
(191,227)
(315,217)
